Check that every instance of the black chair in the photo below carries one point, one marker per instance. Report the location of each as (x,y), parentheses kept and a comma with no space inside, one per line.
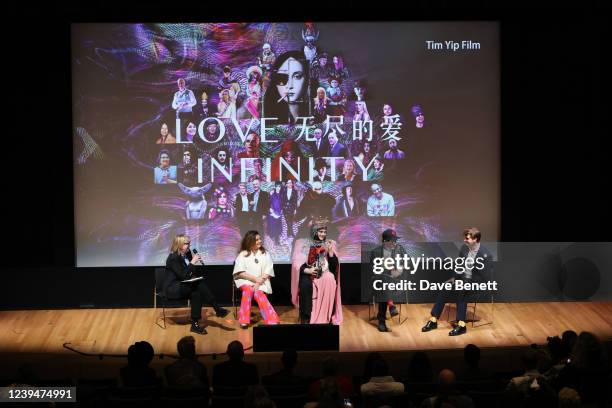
(476,298)
(399,315)
(159,292)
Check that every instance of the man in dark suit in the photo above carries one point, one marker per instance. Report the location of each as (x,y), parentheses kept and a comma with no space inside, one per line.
(389,249)
(182,265)
(235,372)
(482,264)
(243,209)
(336,149)
(259,203)
(289,205)
(320,146)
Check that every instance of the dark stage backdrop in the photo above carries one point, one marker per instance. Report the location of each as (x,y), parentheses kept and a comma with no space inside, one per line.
(554,101)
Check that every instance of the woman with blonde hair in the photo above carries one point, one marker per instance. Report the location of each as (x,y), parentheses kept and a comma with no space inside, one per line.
(320,105)
(182,265)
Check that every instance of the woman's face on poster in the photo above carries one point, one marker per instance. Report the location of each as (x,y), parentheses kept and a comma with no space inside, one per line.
(387,110)
(289,157)
(349,191)
(291,80)
(164,160)
(164,130)
(222,201)
(191,129)
(366,147)
(359,107)
(289,183)
(349,167)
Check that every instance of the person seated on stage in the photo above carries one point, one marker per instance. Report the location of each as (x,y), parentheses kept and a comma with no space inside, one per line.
(286,376)
(318,278)
(187,371)
(252,272)
(470,250)
(389,249)
(137,373)
(381,383)
(181,265)
(235,372)
(447,394)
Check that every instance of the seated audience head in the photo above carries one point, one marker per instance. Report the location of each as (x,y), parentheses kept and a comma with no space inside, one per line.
(420,369)
(569,398)
(235,351)
(289,359)
(569,338)
(329,367)
(140,354)
(186,347)
(471,354)
(380,368)
(530,359)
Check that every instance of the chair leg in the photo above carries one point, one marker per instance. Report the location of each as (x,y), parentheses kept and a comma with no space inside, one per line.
(474,314)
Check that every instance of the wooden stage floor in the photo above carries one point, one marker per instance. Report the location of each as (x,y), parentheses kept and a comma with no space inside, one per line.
(112,331)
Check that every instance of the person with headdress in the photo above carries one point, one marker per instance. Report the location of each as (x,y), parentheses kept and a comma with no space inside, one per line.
(253,269)
(315,278)
(337,97)
(223,207)
(254,75)
(267,58)
(287,96)
(321,69)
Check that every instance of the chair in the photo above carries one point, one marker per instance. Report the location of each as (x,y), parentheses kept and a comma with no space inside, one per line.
(399,315)
(235,295)
(158,291)
(479,295)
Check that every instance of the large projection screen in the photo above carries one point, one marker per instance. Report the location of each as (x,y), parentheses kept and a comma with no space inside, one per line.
(170,119)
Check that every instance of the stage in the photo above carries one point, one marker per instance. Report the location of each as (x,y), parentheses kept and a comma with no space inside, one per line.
(112,331)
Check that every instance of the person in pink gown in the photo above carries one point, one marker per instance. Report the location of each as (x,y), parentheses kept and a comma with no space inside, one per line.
(315,278)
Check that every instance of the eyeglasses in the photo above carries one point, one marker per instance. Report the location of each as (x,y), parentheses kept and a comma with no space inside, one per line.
(377,190)
(186,154)
(187,243)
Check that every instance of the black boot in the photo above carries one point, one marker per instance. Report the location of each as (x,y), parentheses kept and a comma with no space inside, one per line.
(382,326)
(221,312)
(196,328)
(429,326)
(457,331)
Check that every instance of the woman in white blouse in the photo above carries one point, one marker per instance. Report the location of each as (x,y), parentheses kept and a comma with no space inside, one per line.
(252,272)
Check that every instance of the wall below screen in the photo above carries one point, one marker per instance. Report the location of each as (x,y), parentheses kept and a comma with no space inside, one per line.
(50,288)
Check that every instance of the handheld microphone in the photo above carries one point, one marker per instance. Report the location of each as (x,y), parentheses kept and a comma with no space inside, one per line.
(195,252)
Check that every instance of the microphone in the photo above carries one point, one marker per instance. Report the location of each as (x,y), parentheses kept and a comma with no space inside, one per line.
(195,252)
